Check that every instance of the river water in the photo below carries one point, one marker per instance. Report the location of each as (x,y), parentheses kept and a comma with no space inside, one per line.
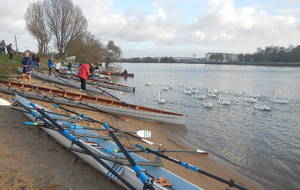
(263,145)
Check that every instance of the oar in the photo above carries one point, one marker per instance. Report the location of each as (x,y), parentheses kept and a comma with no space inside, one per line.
(231,183)
(138,170)
(198,151)
(44,117)
(4,102)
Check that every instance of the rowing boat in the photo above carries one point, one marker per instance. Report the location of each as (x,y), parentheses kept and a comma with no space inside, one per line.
(94,87)
(103,84)
(97,146)
(111,106)
(117,74)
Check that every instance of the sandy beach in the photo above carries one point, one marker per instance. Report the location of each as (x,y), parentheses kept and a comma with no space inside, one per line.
(30,159)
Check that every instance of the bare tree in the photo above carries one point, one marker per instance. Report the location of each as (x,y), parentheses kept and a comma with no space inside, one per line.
(37,26)
(66,21)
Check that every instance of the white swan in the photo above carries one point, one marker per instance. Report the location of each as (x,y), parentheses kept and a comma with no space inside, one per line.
(249,99)
(148,84)
(223,102)
(207,104)
(211,94)
(200,96)
(195,90)
(252,96)
(160,100)
(278,100)
(261,107)
(171,86)
(188,92)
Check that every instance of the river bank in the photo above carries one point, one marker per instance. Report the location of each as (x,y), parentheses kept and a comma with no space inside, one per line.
(54,171)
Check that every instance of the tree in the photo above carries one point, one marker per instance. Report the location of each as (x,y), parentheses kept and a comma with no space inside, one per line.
(37,26)
(86,48)
(217,57)
(66,21)
(113,52)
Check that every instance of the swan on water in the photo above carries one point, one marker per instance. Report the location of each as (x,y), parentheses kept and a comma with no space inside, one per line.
(223,101)
(207,104)
(148,84)
(188,92)
(200,96)
(253,96)
(194,90)
(278,100)
(249,99)
(160,100)
(211,94)
(171,86)
(261,107)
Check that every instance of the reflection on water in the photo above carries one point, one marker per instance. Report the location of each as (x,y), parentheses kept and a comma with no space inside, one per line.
(265,145)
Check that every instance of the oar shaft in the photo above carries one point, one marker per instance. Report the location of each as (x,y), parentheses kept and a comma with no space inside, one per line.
(138,170)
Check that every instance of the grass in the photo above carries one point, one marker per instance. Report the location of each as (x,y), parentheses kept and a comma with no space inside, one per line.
(7,66)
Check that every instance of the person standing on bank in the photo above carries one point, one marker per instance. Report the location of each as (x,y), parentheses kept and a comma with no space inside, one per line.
(83,74)
(50,65)
(10,51)
(27,65)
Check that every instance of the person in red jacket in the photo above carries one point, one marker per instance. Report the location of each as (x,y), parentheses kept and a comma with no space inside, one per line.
(83,74)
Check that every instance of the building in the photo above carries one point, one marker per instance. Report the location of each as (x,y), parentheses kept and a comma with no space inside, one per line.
(221,57)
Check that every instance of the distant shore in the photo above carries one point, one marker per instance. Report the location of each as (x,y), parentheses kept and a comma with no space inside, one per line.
(271,64)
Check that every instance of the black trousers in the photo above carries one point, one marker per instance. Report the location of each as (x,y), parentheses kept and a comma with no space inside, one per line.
(10,55)
(49,70)
(83,83)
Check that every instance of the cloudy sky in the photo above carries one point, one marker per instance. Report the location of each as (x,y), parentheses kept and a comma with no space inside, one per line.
(175,27)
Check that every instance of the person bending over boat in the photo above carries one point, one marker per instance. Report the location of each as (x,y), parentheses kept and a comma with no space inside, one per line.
(27,65)
(50,64)
(83,74)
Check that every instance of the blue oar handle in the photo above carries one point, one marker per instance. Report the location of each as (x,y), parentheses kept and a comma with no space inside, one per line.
(188,166)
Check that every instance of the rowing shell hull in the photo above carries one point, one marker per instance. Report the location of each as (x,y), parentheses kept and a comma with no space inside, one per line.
(63,81)
(177,119)
(126,172)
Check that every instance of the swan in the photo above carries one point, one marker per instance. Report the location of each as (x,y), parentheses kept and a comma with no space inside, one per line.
(223,102)
(195,90)
(148,84)
(188,92)
(249,99)
(215,91)
(211,94)
(278,100)
(160,100)
(261,107)
(200,96)
(250,94)
(171,86)
(207,104)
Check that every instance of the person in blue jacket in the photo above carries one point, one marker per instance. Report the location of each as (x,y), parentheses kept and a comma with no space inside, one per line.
(27,65)
(50,65)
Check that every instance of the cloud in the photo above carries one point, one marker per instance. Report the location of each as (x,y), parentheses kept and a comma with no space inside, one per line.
(221,25)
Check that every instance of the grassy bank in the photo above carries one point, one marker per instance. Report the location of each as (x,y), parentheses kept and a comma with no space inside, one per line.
(7,66)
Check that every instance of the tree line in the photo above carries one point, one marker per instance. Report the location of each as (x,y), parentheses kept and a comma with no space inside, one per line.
(63,22)
(148,60)
(273,54)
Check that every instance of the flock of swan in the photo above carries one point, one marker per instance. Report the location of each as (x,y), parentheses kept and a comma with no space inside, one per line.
(210,94)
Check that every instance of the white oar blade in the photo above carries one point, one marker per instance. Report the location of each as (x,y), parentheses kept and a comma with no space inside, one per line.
(144,133)
(4,102)
(201,151)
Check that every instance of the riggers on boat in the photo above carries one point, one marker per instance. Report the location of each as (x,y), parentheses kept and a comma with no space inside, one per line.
(117,74)
(111,106)
(97,147)
(94,87)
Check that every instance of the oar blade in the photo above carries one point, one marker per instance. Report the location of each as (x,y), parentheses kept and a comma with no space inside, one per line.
(144,133)
(4,102)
